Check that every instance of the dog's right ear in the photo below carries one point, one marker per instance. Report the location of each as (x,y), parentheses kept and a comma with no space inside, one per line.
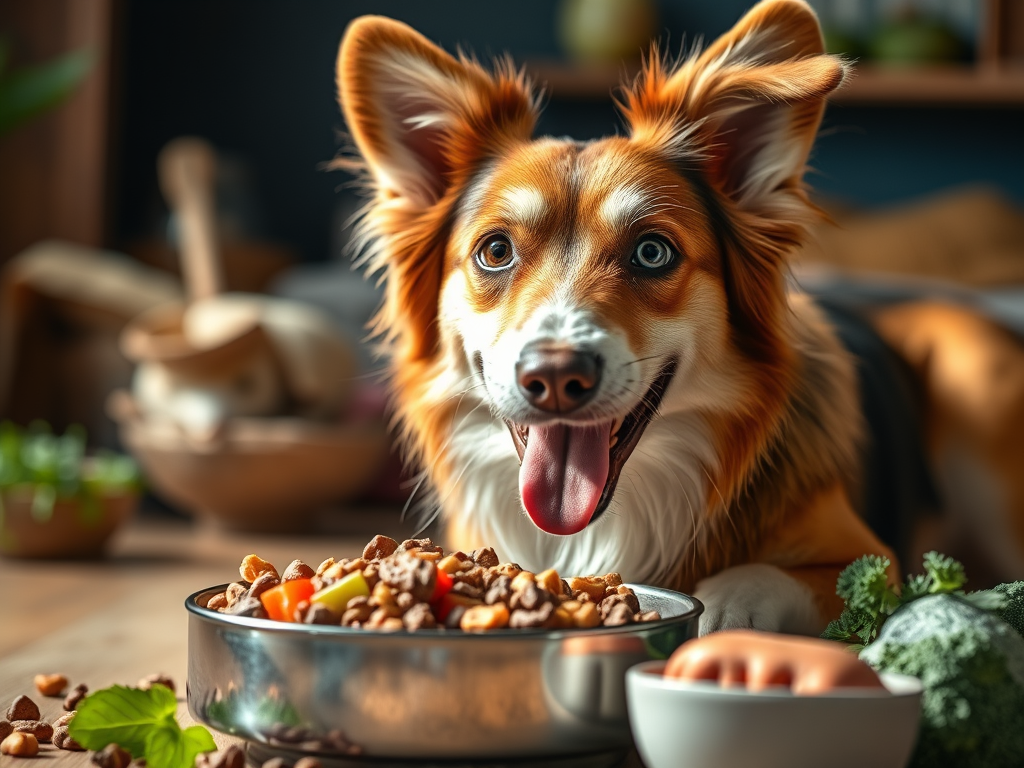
(420,117)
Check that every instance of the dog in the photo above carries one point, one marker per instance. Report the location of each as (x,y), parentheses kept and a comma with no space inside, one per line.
(592,346)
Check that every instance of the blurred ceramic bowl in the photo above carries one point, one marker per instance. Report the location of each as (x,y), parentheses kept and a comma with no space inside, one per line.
(259,474)
(71,530)
(683,724)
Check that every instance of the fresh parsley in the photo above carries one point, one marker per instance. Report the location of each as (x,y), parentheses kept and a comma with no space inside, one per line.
(143,723)
(870,599)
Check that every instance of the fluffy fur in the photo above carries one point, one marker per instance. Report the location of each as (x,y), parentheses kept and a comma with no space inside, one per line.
(751,457)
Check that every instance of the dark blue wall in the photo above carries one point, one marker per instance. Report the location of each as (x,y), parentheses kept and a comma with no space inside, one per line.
(257,78)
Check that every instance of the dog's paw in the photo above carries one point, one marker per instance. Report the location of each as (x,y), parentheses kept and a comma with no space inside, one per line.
(756,596)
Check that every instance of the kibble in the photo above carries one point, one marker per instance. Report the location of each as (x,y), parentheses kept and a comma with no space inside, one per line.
(480,618)
(264,581)
(232,757)
(485,557)
(6,729)
(155,679)
(235,592)
(61,739)
(23,708)
(41,729)
(78,693)
(111,756)
(51,685)
(416,586)
(20,745)
(550,581)
(248,606)
(253,566)
(319,614)
(297,570)
(586,616)
(64,719)
(592,586)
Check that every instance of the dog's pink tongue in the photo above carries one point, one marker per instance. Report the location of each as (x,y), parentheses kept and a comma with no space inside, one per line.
(563,472)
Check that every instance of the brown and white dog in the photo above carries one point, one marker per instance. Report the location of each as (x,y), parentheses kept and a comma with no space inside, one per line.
(593,350)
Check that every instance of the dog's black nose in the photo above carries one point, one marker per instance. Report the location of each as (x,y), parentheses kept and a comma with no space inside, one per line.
(556,378)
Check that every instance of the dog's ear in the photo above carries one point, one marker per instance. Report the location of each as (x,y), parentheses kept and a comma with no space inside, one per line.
(419,116)
(747,108)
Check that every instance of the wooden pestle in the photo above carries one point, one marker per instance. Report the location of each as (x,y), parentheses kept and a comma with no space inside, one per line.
(187,169)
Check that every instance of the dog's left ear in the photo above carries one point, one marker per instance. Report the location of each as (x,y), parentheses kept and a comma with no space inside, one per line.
(418,115)
(747,109)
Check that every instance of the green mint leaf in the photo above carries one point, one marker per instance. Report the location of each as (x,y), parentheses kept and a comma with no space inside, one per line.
(125,716)
(170,747)
(946,573)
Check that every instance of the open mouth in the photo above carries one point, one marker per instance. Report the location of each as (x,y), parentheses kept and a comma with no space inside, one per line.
(568,473)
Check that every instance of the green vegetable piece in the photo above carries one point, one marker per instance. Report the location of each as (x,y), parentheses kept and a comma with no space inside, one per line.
(971,665)
(337,595)
(1012,609)
(864,584)
(171,747)
(855,627)
(33,90)
(947,574)
(125,716)
(143,723)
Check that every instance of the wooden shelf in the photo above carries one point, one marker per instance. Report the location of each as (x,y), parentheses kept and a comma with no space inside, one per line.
(951,86)
(583,82)
(947,86)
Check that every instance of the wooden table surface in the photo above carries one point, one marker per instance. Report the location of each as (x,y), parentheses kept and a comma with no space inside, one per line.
(122,618)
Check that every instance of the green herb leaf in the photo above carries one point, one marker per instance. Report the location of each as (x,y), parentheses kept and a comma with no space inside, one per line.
(125,716)
(171,747)
(32,90)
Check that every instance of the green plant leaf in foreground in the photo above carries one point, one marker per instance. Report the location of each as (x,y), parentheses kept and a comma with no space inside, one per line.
(121,715)
(171,747)
(30,91)
(142,722)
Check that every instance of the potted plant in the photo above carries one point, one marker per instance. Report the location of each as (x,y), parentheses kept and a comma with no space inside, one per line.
(55,501)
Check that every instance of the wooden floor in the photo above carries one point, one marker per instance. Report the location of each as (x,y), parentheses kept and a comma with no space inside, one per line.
(120,619)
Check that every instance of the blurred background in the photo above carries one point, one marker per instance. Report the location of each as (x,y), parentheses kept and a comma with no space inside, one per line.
(123,245)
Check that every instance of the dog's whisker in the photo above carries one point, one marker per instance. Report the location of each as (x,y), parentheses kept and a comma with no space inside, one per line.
(726,509)
(419,484)
(643,359)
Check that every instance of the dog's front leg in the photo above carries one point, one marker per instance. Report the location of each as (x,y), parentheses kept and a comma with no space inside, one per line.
(758,596)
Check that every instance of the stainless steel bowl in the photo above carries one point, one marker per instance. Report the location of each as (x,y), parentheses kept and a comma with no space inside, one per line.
(506,694)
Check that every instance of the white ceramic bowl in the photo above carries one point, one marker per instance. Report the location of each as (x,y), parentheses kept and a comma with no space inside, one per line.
(679,724)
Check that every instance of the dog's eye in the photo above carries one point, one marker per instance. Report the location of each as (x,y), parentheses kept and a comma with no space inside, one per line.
(652,253)
(496,254)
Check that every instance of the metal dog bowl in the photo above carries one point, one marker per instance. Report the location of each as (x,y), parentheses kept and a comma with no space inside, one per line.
(429,695)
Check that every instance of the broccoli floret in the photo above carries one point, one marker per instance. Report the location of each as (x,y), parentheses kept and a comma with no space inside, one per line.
(1012,611)
(972,667)
(945,573)
(864,584)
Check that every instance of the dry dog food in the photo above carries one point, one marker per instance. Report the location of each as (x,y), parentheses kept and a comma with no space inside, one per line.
(415,585)
(77,694)
(24,731)
(20,745)
(51,685)
(111,756)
